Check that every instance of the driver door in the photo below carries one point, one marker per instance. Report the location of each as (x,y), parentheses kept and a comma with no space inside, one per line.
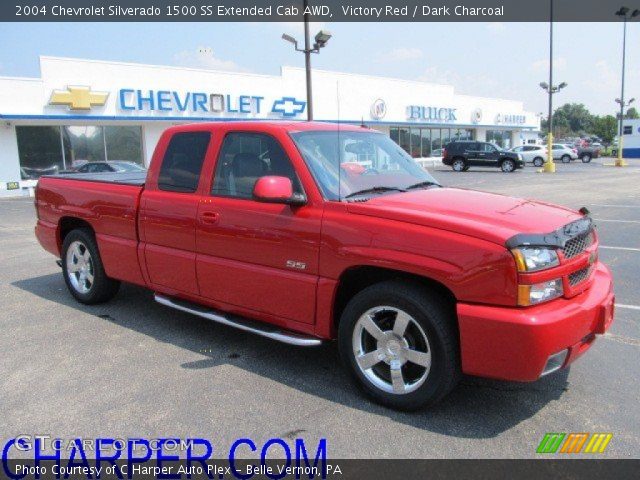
(261,257)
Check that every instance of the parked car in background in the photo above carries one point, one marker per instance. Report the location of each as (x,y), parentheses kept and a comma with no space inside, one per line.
(564,153)
(587,152)
(535,154)
(461,155)
(110,166)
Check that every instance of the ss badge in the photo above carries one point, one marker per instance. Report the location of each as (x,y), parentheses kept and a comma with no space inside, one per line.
(296,265)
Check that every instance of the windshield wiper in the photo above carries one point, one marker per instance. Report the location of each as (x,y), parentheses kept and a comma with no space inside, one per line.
(375,190)
(424,184)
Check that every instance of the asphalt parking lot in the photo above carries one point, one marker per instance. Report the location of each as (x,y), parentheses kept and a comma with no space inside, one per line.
(133,368)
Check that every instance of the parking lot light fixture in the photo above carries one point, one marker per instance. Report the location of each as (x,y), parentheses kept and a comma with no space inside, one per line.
(623,12)
(321,39)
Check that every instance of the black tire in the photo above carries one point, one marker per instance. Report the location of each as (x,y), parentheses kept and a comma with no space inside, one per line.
(459,165)
(101,288)
(538,162)
(565,159)
(507,165)
(586,157)
(436,321)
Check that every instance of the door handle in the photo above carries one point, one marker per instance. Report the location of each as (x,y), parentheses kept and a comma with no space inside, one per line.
(210,218)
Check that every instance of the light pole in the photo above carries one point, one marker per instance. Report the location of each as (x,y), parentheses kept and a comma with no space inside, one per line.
(550,166)
(321,39)
(624,13)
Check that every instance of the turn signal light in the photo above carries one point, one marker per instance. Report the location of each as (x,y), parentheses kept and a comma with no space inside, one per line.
(539,293)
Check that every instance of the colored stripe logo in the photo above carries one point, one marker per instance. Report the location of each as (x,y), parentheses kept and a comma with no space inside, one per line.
(574,443)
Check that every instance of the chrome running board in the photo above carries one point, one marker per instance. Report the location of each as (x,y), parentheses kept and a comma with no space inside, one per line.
(247,325)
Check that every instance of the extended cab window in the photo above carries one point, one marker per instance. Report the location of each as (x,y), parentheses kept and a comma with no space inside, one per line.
(244,158)
(182,162)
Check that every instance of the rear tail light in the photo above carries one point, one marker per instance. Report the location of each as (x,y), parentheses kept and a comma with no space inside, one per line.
(444,152)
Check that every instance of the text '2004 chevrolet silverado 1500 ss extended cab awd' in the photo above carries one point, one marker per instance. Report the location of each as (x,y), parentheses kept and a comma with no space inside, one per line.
(305,232)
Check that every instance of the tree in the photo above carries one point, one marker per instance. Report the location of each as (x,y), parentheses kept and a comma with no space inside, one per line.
(573,118)
(632,113)
(606,128)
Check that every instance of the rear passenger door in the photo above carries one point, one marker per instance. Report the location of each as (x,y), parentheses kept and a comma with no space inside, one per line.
(168,214)
(472,153)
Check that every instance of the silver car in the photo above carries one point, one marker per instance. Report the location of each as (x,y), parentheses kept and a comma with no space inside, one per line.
(564,153)
(536,154)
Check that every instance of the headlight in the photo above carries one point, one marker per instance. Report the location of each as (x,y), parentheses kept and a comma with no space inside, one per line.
(532,259)
(540,292)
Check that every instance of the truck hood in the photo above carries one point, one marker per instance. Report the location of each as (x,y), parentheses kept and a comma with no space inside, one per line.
(488,216)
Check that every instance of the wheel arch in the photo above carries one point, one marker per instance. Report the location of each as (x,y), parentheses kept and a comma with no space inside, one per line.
(67,224)
(356,278)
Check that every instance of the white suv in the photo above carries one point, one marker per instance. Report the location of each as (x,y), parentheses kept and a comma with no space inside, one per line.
(536,154)
(564,153)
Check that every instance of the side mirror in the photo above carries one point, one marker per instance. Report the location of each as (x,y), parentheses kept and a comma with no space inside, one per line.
(273,189)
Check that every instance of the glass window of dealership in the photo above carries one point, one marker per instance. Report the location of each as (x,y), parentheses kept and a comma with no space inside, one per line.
(420,142)
(48,149)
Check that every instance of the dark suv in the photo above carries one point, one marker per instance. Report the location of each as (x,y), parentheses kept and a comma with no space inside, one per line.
(464,154)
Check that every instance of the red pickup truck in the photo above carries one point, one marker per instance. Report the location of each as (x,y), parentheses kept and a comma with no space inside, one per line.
(306,232)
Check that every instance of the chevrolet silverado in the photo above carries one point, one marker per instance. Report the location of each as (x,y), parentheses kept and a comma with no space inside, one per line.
(310,232)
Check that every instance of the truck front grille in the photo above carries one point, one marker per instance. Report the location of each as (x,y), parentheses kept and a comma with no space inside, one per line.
(578,244)
(579,276)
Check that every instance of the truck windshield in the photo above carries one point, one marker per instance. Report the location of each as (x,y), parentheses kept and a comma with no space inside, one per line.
(345,163)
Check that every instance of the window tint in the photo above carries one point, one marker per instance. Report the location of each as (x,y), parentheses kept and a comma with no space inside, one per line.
(487,148)
(182,162)
(244,158)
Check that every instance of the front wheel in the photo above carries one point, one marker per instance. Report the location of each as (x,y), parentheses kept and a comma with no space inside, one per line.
(508,166)
(83,270)
(400,345)
(538,162)
(586,158)
(565,159)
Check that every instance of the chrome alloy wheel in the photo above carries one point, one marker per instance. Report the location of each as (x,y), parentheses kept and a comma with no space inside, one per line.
(79,267)
(391,350)
(458,165)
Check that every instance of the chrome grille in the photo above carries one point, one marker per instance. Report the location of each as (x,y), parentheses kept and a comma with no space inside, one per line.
(578,244)
(580,276)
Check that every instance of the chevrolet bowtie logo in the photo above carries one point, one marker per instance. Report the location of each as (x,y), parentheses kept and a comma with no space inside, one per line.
(288,106)
(78,98)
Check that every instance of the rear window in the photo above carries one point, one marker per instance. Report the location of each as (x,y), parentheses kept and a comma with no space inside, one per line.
(182,162)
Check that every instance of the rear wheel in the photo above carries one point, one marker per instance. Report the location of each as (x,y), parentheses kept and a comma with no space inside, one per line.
(586,158)
(565,158)
(507,165)
(538,162)
(83,270)
(400,345)
(459,165)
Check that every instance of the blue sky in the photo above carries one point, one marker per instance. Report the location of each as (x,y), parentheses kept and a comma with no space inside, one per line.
(506,60)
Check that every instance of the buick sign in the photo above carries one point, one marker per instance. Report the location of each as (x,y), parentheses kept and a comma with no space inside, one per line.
(378,109)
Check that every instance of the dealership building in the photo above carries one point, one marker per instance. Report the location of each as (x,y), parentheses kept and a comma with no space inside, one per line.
(88,110)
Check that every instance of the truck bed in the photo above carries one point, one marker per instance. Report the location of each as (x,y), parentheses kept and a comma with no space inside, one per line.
(124,178)
(108,202)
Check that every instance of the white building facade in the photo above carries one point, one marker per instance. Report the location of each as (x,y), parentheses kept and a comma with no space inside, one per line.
(81,110)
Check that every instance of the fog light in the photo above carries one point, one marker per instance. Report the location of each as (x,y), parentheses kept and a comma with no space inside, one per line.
(555,362)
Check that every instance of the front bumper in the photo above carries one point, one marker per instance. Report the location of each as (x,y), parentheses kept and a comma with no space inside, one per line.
(515,343)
